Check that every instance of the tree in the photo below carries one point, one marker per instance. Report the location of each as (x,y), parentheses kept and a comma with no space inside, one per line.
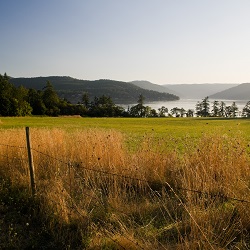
(138,110)
(222,109)
(228,111)
(36,102)
(198,109)
(51,100)
(13,101)
(147,111)
(24,109)
(141,105)
(190,113)
(6,96)
(135,111)
(205,106)
(246,110)
(21,105)
(153,113)
(175,112)
(234,109)
(5,106)
(162,111)
(182,112)
(231,111)
(85,99)
(215,109)
(104,107)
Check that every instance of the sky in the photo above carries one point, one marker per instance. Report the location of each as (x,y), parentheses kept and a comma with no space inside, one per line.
(161,41)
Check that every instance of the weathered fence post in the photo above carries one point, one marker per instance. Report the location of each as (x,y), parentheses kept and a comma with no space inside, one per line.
(31,165)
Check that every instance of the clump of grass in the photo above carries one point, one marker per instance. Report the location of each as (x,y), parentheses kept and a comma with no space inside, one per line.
(219,171)
(94,192)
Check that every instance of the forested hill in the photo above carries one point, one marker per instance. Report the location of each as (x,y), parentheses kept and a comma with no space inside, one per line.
(197,91)
(72,89)
(240,92)
(152,86)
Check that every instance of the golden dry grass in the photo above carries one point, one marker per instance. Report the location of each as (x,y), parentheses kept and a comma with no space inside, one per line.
(149,199)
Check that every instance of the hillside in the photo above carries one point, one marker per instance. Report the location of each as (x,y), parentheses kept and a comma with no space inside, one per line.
(240,92)
(197,91)
(72,89)
(152,86)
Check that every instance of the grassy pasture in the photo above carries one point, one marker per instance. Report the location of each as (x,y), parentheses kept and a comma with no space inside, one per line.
(79,208)
(176,127)
(171,131)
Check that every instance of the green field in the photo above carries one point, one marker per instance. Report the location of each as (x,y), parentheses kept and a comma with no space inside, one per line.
(140,126)
(176,183)
(177,128)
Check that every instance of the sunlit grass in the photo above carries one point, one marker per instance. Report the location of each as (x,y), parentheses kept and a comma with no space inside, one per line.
(174,130)
(152,197)
(161,126)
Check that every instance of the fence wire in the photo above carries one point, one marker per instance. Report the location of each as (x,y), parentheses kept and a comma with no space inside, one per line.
(164,184)
(98,201)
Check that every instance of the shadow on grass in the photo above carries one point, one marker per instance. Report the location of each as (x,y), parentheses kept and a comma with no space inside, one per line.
(22,225)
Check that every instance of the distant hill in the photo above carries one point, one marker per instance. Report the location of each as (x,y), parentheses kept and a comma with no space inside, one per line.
(240,92)
(197,91)
(152,86)
(72,89)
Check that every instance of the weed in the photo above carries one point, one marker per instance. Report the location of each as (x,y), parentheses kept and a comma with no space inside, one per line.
(93,192)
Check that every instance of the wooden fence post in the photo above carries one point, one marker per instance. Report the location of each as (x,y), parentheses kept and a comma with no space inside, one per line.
(31,165)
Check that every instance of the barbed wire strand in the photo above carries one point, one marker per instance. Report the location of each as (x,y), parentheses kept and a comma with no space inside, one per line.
(111,207)
(12,146)
(179,188)
(99,201)
(100,220)
(138,179)
(14,158)
(132,178)
(190,215)
(54,158)
(150,182)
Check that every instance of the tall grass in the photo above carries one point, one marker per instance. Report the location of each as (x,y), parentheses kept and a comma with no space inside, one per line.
(94,191)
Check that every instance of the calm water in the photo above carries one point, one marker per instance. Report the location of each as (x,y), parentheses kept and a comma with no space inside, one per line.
(189,104)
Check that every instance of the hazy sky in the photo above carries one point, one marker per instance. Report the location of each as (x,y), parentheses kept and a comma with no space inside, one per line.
(162,41)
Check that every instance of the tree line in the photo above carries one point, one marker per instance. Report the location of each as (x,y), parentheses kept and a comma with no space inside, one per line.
(20,101)
(205,108)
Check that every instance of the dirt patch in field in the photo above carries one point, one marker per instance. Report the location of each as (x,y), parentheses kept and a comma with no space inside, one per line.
(70,116)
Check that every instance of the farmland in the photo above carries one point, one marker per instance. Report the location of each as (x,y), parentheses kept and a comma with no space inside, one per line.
(126,183)
(161,127)
(173,130)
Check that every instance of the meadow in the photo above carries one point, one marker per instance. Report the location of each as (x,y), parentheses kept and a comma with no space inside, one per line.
(138,127)
(126,183)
